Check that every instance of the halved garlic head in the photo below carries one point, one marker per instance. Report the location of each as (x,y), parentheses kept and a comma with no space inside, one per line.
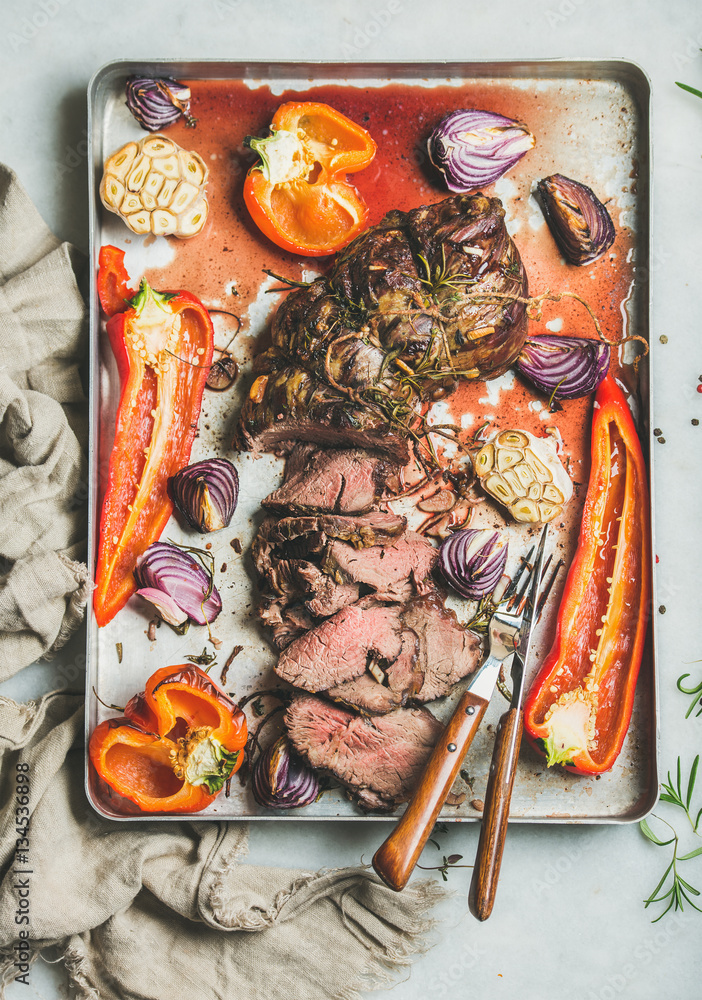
(524,473)
(157,187)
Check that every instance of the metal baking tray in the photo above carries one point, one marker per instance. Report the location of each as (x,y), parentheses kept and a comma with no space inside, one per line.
(591,119)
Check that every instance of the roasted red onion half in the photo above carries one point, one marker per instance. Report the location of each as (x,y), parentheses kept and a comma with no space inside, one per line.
(157,102)
(564,367)
(281,780)
(181,579)
(473,148)
(579,222)
(473,560)
(206,493)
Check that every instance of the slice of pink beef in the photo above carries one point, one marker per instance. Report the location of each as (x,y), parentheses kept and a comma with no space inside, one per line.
(380,759)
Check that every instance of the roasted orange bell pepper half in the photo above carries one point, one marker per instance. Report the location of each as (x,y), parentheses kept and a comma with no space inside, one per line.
(163,344)
(177,744)
(579,706)
(298,195)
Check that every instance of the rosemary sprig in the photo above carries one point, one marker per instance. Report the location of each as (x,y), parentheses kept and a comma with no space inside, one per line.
(688,88)
(680,890)
(674,793)
(677,894)
(696,693)
(440,278)
(203,659)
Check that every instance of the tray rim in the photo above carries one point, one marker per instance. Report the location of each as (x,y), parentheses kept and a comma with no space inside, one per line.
(624,70)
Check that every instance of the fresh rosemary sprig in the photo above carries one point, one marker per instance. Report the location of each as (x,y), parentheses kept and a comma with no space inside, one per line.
(688,88)
(677,894)
(680,891)
(696,693)
(674,794)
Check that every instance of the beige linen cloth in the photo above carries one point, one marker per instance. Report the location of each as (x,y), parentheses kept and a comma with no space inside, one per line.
(136,910)
(43,436)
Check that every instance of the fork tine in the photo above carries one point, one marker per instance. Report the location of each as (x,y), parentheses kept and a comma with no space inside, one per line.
(518,601)
(526,562)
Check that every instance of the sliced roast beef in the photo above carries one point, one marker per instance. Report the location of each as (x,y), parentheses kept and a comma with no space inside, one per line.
(329,561)
(379,691)
(290,404)
(340,648)
(447,651)
(360,647)
(396,572)
(287,622)
(348,481)
(380,760)
(376,528)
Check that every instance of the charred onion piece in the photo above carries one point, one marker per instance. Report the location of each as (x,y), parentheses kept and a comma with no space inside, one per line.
(473,560)
(579,222)
(206,493)
(280,779)
(564,367)
(524,473)
(157,102)
(473,148)
(223,373)
(165,568)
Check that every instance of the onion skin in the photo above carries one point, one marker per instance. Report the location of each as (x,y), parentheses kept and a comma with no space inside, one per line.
(206,494)
(280,779)
(167,608)
(157,102)
(473,148)
(473,560)
(166,568)
(579,222)
(564,367)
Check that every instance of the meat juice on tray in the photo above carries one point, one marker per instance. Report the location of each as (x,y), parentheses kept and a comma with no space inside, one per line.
(417,648)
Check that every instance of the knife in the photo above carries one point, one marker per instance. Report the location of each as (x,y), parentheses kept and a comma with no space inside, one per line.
(395,859)
(503,767)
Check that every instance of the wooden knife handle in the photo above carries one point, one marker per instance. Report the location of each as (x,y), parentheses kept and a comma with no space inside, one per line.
(395,859)
(498,796)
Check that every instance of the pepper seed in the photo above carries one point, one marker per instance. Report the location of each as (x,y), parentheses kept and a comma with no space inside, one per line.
(663,339)
(661,610)
(657,431)
(695,422)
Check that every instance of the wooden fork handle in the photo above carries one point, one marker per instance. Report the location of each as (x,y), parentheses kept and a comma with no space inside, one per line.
(395,859)
(498,796)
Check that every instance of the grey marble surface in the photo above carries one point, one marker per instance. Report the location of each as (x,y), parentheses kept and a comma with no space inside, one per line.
(569,920)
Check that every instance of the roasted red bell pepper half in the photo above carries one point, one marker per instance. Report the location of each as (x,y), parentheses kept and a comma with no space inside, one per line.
(579,706)
(163,344)
(177,744)
(298,195)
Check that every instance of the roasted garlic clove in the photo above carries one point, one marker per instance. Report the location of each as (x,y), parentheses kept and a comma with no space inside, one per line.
(524,474)
(157,187)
